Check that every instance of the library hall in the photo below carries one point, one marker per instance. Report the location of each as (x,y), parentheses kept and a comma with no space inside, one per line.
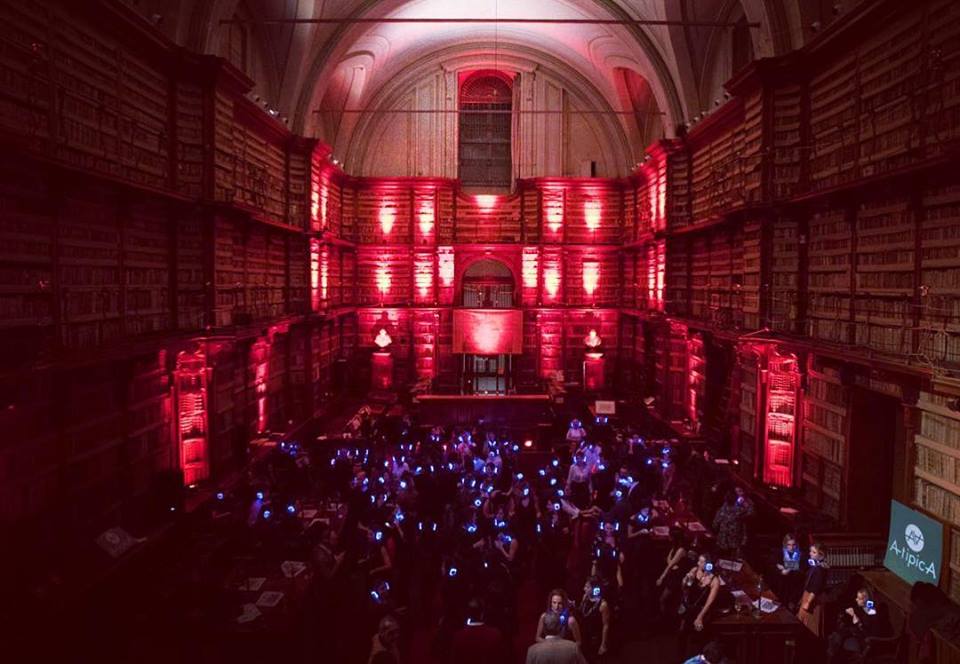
(480,331)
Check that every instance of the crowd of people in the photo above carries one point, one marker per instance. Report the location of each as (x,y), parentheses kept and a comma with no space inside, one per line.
(439,529)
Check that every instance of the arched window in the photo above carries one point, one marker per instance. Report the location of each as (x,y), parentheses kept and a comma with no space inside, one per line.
(485,119)
(488,284)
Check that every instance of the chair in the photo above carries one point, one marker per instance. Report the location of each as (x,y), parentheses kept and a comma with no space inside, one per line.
(884,650)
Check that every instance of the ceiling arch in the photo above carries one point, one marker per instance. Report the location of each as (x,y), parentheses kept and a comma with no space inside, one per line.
(566,41)
(304,59)
(358,135)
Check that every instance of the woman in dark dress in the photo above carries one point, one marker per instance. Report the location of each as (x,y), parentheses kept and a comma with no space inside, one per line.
(699,592)
(676,568)
(596,619)
(811,602)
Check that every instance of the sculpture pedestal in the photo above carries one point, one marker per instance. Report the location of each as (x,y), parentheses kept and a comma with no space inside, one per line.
(382,371)
(593,372)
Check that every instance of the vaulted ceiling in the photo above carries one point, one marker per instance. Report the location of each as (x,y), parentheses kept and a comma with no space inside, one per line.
(311,71)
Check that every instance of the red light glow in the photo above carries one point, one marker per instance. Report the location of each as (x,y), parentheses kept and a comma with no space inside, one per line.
(530,267)
(553,210)
(383,278)
(486,201)
(261,359)
(445,266)
(655,274)
(779,420)
(314,274)
(551,281)
(591,214)
(191,383)
(591,276)
(426,215)
(423,276)
(388,217)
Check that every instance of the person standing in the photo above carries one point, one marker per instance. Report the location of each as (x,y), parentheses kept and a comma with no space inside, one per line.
(477,642)
(554,649)
(560,605)
(384,648)
(811,602)
(730,524)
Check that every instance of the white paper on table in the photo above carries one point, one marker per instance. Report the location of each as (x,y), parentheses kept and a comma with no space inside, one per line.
(732,565)
(269,598)
(661,531)
(291,568)
(737,594)
(254,583)
(696,527)
(768,605)
(250,613)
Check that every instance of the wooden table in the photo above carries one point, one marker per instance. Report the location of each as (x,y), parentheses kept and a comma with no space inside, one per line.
(767,638)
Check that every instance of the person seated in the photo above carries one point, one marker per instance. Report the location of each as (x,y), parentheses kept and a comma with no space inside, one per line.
(855,624)
(712,654)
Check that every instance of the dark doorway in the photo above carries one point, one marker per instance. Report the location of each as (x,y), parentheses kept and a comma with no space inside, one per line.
(487,374)
(875,421)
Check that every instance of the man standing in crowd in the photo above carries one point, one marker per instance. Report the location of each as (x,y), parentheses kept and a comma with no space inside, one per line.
(554,649)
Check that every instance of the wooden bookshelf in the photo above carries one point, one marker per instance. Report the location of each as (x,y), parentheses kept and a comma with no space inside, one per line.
(829,276)
(940,274)
(751,280)
(885,270)
(749,408)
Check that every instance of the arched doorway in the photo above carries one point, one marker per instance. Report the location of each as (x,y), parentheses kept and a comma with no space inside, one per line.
(487,284)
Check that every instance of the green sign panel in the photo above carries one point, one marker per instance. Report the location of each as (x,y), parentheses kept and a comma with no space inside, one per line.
(915,545)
